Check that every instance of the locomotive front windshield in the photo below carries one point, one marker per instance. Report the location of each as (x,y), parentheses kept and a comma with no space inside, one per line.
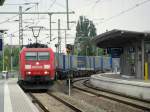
(31,55)
(37,56)
(43,55)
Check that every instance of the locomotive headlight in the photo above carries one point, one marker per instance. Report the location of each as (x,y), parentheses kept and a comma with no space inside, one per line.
(28,73)
(46,66)
(27,66)
(46,72)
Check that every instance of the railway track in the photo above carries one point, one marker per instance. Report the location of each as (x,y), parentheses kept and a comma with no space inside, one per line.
(37,101)
(65,103)
(83,85)
(80,79)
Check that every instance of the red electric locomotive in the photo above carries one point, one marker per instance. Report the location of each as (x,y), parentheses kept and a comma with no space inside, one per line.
(37,66)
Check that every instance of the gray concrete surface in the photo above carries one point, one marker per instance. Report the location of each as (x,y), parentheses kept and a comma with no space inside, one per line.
(1,96)
(19,100)
(132,88)
(13,99)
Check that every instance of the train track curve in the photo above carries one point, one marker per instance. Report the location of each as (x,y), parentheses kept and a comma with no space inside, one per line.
(85,86)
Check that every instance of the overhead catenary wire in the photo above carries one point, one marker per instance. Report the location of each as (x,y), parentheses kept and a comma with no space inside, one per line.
(17,15)
(62,42)
(122,12)
(96,2)
(61,5)
(23,27)
(72,25)
(52,4)
(127,10)
(10,18)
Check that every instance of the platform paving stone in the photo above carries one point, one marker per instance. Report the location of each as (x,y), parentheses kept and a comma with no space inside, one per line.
(1,96)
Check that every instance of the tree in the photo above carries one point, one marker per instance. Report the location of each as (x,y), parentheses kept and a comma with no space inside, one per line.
(1,63)
(7,58)
(15,54)
(85,31)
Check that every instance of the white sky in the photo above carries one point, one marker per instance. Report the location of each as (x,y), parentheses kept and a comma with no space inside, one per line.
(100,11)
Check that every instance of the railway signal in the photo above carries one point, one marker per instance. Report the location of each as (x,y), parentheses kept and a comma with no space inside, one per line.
(68,48)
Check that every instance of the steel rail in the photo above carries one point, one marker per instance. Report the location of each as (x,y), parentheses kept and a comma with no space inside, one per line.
(35,100)
(76,80)
(146,108)
(65,103)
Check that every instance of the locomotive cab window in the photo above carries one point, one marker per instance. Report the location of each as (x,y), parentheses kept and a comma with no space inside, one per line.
(43,55)
(31,55)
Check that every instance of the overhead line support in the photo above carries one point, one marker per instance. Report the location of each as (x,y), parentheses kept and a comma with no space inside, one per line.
(38,12)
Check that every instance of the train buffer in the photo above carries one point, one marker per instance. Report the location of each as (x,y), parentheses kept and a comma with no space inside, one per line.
(13,99)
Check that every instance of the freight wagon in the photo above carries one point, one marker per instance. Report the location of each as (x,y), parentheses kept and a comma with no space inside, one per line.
(81,66)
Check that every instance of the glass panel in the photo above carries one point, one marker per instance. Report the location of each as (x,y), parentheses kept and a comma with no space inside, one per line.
(147,47)
(43,55)
(31,55)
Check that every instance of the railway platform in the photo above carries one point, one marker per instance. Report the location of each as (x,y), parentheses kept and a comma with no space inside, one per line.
(13,99)
(122,85)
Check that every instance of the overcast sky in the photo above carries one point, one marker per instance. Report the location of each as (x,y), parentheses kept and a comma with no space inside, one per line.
(106,15)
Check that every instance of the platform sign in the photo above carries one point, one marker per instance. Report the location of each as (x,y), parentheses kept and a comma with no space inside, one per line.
(115,52)
(1,43)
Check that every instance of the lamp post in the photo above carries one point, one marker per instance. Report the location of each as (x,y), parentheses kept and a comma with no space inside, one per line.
(11,58)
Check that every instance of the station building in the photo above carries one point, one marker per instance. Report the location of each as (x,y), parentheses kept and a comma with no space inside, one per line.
(133,49)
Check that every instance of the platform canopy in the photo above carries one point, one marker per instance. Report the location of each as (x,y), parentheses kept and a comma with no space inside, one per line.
(118,38)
